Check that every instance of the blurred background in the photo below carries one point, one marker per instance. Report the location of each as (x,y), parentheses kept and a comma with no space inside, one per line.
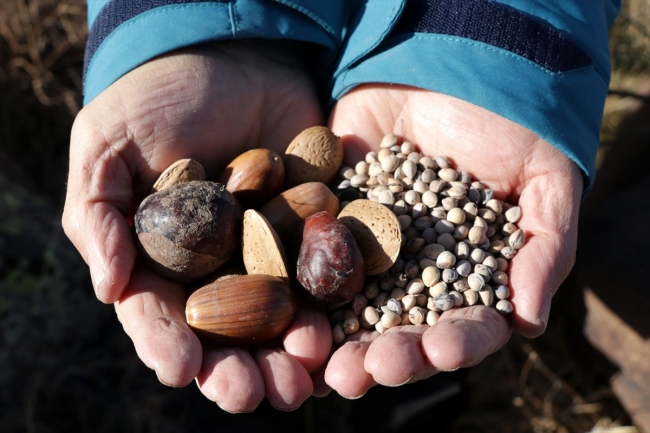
(67,366)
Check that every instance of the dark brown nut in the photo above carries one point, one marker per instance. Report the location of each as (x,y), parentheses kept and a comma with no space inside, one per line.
(187,231)
(287,211)
(183,170)
(315,155)
(254,177)
(244,309)
(330,265)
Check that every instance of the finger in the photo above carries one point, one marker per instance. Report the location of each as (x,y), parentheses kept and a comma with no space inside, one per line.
(550,222)
(309,338)
(345,371)
(396,357)
(286,381)
(464,337)
(232,379)
(98,198)
(151,311)
(321,388)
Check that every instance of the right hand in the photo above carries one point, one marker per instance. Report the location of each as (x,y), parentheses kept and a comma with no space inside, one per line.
(210,103)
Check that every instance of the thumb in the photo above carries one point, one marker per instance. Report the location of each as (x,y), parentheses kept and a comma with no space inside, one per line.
(549,206)
(98,199)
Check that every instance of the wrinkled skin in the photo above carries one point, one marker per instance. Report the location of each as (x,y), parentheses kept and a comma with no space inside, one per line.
(214,102)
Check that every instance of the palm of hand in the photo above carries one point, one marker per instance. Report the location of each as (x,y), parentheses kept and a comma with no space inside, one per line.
(211,104)
(508,158)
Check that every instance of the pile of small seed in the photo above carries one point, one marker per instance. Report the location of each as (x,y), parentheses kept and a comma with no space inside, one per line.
(457,240)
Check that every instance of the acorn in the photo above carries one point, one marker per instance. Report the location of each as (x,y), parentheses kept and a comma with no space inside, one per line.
(254,177)
(241,310)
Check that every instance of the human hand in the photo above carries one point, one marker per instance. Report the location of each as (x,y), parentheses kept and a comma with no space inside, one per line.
(518,166)
(210,103)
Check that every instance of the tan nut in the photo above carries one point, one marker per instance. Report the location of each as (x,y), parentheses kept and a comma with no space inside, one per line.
(183,170)
(315,155)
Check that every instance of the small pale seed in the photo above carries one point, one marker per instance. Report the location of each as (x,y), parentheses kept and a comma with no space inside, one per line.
(388,141)
(470,297)
(444,301)
(438,288)
(513,214)
(390,320)
(417,315)
(415,286)
(457,297)
(502,292)
(475,282)
(517,239)
(430,276)
(448,174)
(408,302)
(432,318)
(487,295)
(504,306)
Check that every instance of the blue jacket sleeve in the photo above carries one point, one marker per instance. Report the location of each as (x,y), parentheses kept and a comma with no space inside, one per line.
(126,33)
(543,64)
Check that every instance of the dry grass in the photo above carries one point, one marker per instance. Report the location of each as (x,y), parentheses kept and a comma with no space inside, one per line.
(65,364)
(42,47)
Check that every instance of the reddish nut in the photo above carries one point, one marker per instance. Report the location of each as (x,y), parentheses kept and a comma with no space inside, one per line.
(187,231)
(330,265)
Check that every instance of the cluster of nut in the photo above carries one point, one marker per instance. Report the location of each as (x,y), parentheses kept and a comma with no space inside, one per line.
(456,240)
(228,237)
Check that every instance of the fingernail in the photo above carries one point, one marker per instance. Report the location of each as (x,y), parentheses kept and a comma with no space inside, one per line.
(283,409)
(546,308)
(395,385)
(353,397)
(96,272)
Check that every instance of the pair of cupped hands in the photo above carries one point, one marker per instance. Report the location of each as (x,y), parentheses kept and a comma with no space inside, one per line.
(215,101)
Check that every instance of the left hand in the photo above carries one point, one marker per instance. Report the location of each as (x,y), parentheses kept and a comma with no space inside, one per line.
(519,166)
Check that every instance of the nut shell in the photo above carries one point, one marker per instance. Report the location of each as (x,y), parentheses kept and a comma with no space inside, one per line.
(254,177)
(315,155)
(377,232)
(183,170)
(263,252)
(240,310)
(288,210)
(188,230)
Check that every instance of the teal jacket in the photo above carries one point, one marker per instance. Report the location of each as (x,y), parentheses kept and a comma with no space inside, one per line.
(543,64)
